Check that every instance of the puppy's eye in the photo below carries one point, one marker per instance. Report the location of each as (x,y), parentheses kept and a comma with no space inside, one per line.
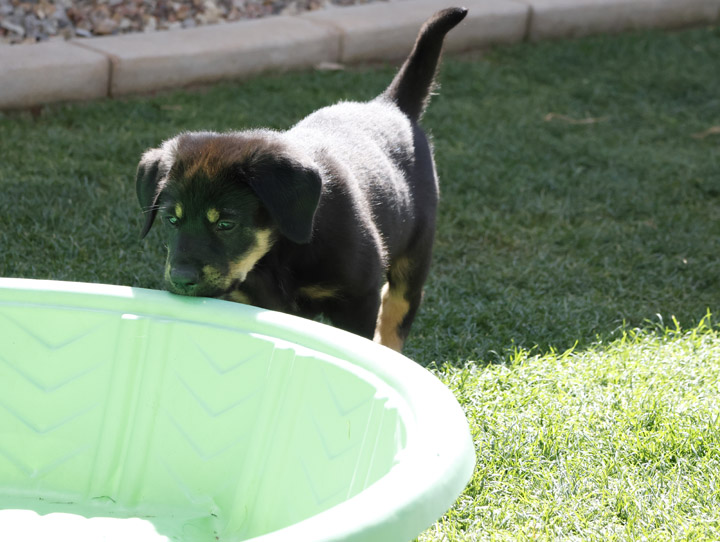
(224,225)
(171,220)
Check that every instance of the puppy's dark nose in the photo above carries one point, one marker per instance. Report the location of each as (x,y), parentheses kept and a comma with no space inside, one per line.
(184,279)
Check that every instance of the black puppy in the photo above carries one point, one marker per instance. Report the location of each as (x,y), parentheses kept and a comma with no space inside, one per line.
(315,219)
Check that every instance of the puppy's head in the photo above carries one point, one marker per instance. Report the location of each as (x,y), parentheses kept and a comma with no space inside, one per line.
(224,199)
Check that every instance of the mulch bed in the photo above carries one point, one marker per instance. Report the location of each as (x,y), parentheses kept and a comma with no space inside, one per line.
(31,21)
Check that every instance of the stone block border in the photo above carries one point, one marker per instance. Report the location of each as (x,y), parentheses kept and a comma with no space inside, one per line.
(82,69)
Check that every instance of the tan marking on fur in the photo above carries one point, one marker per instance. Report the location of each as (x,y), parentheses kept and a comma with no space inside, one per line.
(241,267)
(238,297)
(210,157)
(192,169)
(209,163)
(213,277)
(399,271)
(213,215)
(238,269)
(318,292)
(394,307)
(393,310)
(178,210)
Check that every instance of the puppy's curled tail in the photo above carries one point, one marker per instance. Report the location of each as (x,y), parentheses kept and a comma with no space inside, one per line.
(411,87)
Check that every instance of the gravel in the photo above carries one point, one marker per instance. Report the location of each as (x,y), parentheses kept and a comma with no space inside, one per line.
(31,21)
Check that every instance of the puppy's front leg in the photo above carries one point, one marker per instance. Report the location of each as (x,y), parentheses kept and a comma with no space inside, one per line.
(357,315)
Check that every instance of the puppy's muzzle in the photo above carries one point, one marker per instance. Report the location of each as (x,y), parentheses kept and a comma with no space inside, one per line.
(184,279)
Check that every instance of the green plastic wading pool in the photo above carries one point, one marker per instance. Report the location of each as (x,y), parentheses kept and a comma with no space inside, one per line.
(217,421)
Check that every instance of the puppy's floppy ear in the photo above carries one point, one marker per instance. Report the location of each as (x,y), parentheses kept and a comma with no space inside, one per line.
(290,191)
(147,182)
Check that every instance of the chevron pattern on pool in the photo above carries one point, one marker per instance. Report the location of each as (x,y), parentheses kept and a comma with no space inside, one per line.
(235,433)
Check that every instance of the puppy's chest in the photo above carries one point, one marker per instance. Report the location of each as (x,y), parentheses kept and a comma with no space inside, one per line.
(282,288)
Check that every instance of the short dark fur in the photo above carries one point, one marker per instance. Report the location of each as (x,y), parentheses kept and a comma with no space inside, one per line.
(315,219)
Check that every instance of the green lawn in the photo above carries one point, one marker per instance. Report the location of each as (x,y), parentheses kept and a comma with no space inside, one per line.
(577,259)
(617,442)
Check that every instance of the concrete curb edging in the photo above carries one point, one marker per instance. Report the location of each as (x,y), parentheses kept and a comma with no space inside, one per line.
(147,62)
(83,69)
(573,18)
(50,72)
